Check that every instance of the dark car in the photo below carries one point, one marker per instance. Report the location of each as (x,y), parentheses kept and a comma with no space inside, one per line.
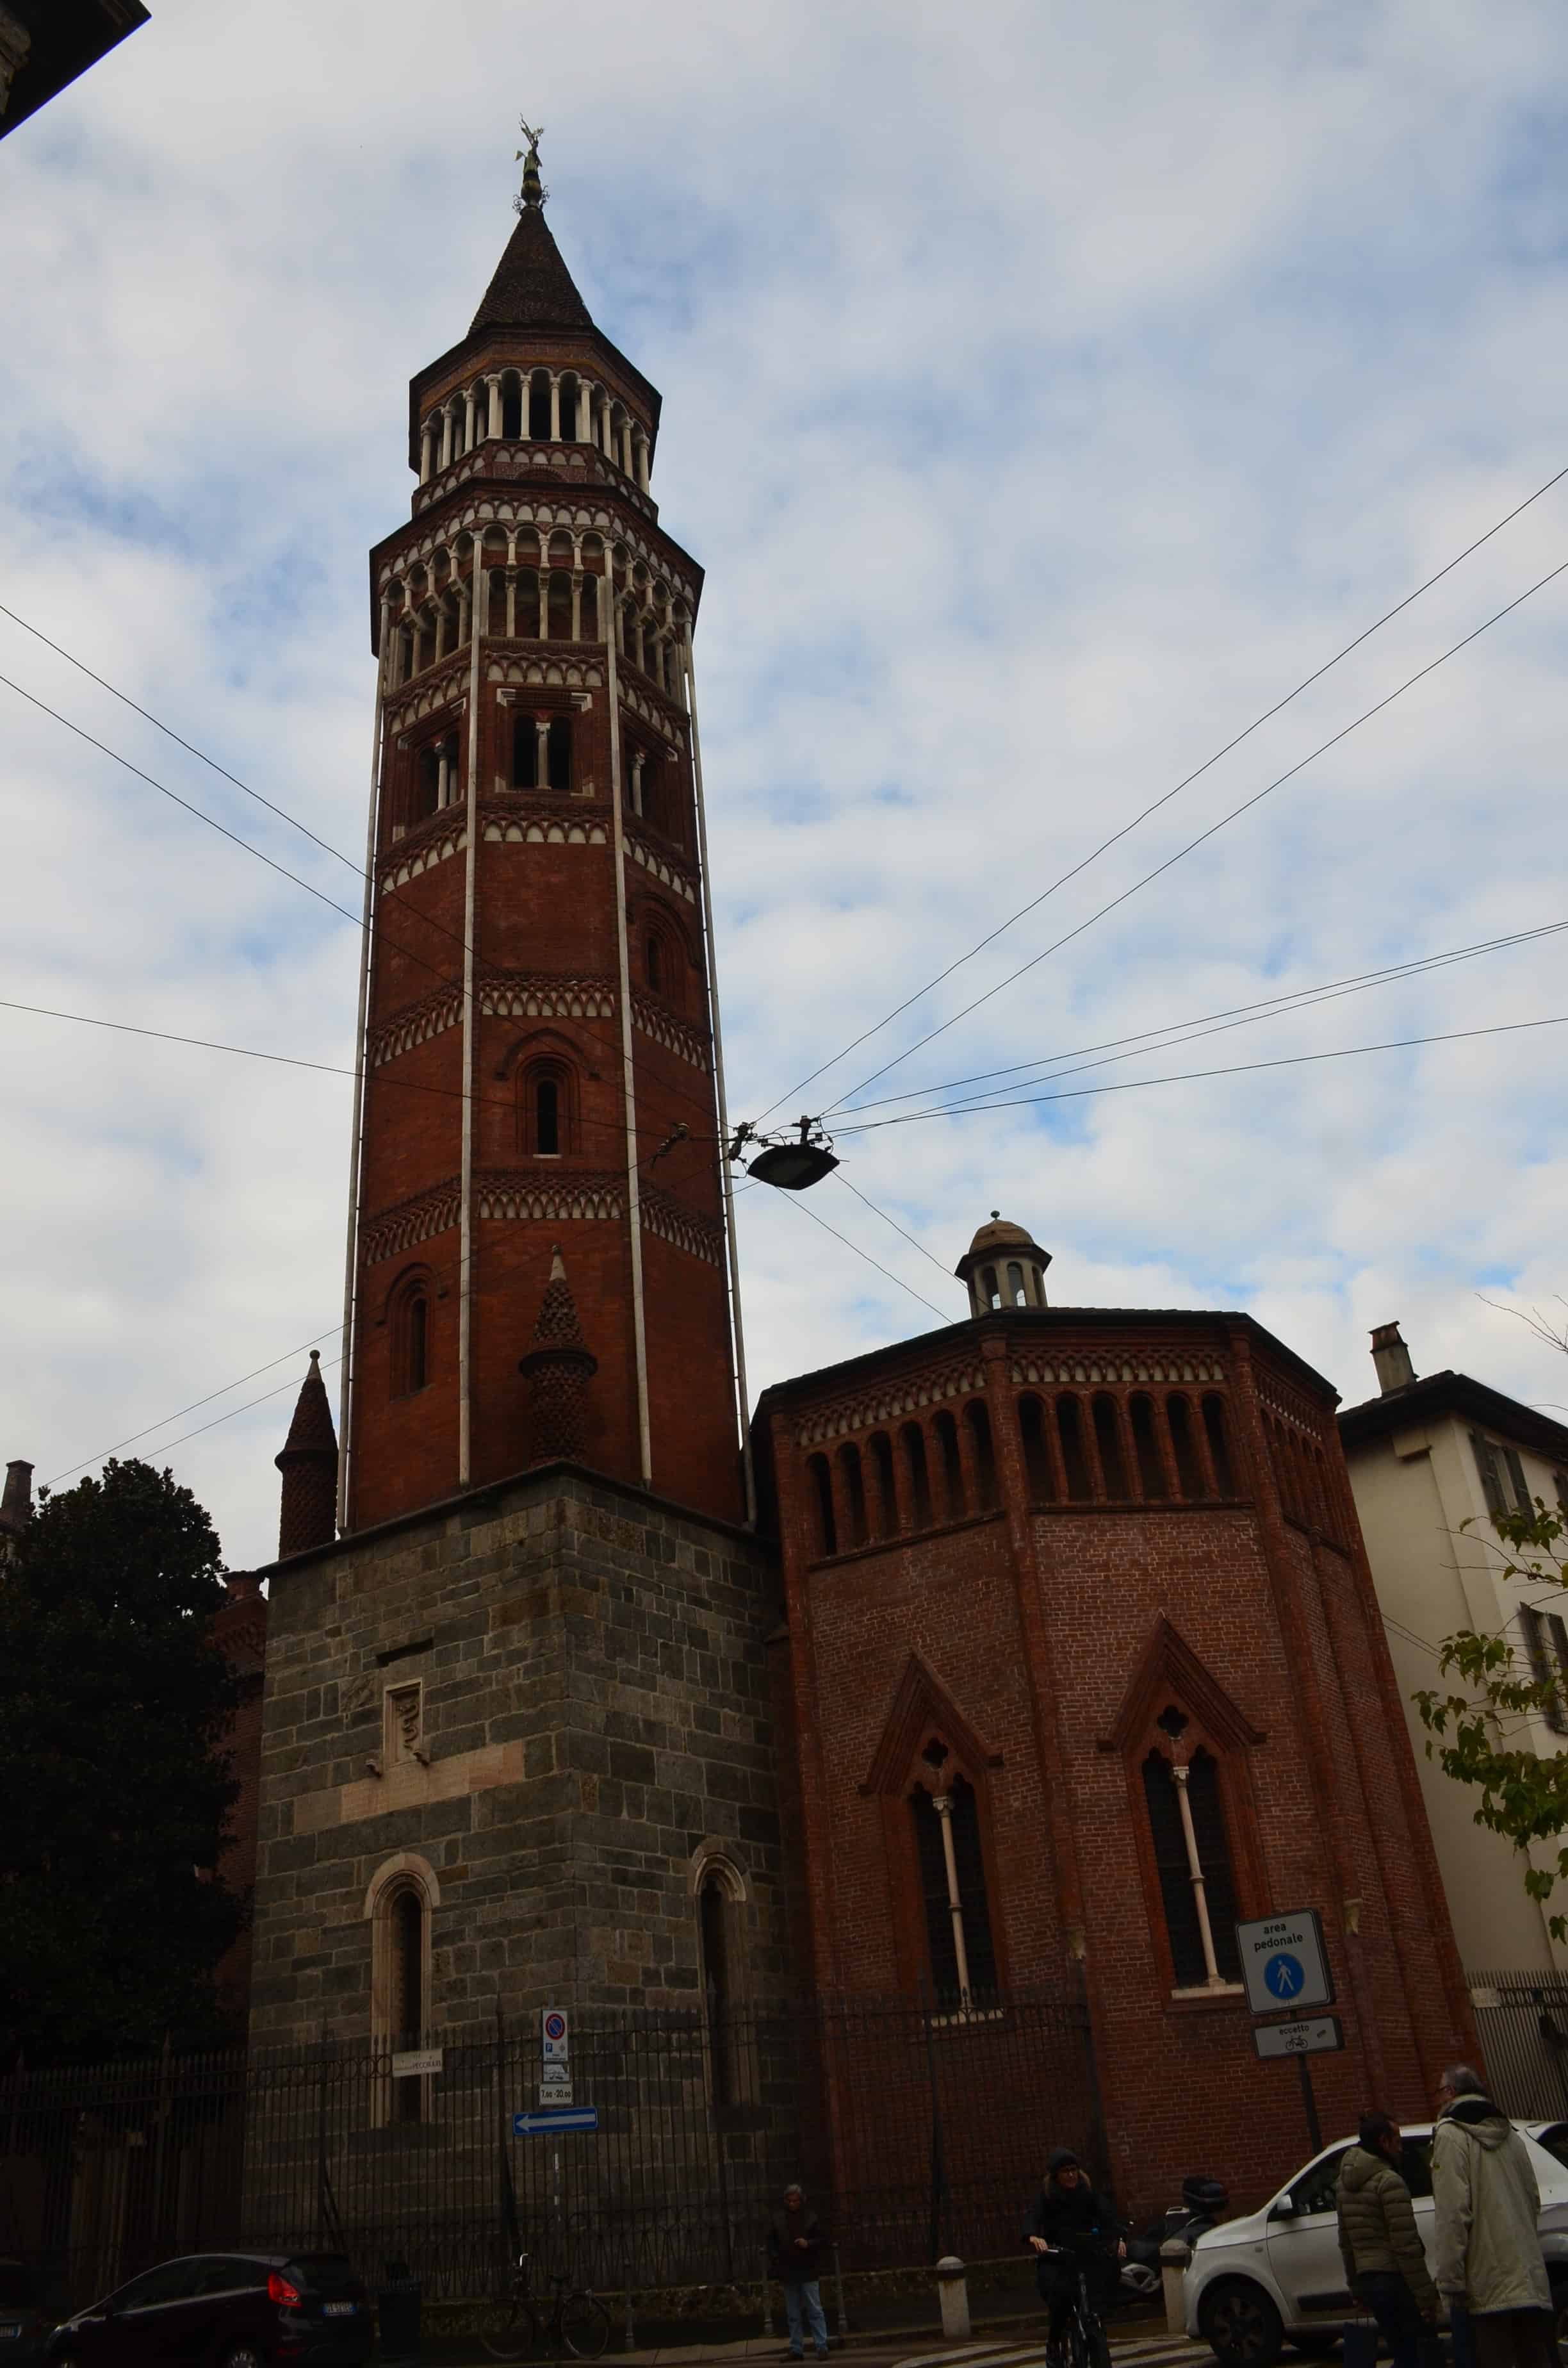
(24,2325)
(224,2310)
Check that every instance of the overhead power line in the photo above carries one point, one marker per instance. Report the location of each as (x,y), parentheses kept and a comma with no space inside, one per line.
(1186,783)
(391,896)
(883,1214)
(1181,1030)
(1234,815)
(297,1060)
(796,1202)
(1184,1076)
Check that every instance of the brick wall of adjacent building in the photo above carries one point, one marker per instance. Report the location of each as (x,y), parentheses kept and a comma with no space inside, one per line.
(597,1715)
(1053,1633)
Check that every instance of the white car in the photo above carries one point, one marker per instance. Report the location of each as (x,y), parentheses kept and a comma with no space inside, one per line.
(1276,2277)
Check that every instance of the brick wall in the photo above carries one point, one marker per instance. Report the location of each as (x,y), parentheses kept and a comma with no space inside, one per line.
(1040,1632)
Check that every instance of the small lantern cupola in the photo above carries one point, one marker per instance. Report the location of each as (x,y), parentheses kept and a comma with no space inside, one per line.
(1003,1268)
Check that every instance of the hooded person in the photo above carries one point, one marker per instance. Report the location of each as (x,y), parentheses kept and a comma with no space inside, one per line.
(794,2247)
(1069,2224)
(1385,2263)
(1486,2252)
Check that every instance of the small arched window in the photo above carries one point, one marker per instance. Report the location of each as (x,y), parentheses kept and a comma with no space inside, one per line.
(511,405)
(427,783)
(977,1419)
(590,611)
(988,1290)
(1218,1445)
(714,1909)
(1015,1283)
(1146,1447)
(497,616)
(822,1485)
(559,607)
(1108,1440)
(884,1505)
(399,1904)
(913,1440)
(854,1492)
(546,1109)
(954,1505)
(411,1337)
(654,963)
(1074,1462)
(1190,1471)
(1037,1450)
(539,407)
(558,753)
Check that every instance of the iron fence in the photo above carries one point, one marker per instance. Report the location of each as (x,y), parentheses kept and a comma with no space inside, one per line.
(1523,2022)
(917,2130)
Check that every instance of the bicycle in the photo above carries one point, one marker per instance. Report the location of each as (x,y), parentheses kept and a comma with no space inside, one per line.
(1087,2346)
(576,2322)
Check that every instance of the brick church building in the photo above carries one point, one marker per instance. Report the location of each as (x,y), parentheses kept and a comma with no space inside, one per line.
(1019,1659)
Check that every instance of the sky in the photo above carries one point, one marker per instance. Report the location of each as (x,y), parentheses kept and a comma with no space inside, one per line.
(1048,393)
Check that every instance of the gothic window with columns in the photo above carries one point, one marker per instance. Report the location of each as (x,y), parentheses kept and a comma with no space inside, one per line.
(1192,1857)
(945,1811)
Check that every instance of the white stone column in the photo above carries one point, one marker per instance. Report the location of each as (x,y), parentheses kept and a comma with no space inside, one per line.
(608,429)
(640,450)
(576,604)
(470,406)
(625,447)
(446,439)
(444,773)
(942,1804)
(543,592)
(493,416)
(511,604)
(637,764)
(541,752)
(555,407)
(427,451)
(1194,1868)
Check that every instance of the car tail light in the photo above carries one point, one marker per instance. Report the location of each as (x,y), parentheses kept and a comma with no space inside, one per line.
(279,2290)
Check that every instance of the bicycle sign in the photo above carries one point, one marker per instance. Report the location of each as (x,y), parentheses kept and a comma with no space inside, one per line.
(1284,1962)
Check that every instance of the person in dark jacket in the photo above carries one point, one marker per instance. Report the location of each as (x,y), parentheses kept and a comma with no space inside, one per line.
(1385,2263)
(1070,2221)
(794,2248)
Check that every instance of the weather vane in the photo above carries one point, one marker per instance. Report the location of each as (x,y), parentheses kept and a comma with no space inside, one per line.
(534,192)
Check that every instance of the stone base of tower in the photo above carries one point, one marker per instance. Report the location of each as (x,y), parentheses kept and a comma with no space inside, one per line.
(517,1748)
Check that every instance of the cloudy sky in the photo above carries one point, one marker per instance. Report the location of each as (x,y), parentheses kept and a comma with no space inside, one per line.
(1048,392)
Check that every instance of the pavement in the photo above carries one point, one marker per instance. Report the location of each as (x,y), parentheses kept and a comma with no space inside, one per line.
(1145,2347)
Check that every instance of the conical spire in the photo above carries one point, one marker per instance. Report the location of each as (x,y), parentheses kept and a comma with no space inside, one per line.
(558,1366)
(308,1462)
(532,288)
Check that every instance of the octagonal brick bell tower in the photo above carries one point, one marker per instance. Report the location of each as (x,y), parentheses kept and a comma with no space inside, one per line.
(542,1091)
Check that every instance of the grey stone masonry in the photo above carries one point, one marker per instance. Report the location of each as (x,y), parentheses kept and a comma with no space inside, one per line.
(549,1701)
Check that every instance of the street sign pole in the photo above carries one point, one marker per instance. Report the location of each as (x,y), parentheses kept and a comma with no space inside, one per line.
(1315,2128)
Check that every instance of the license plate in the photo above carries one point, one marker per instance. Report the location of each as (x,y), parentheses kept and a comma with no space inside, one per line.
(339,2309)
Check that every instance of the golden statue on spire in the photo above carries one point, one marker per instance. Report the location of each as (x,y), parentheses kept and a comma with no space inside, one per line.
(534,192)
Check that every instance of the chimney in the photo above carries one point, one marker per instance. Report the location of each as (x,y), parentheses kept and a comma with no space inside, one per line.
(1392,1359)
(17,1507)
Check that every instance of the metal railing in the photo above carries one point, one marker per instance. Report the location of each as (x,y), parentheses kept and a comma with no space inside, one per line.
(1523,2022)
(917,2131)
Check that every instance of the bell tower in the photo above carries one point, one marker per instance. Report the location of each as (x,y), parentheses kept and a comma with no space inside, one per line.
(539,1045)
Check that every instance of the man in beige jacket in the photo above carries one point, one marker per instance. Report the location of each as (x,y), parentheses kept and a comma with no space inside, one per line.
(1487,2259)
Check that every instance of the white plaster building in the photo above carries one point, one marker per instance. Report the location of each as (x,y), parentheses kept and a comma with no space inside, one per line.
(1424,1457)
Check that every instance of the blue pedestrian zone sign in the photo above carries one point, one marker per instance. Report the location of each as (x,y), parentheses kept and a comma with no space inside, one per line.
(546,2123)
(1284,1962)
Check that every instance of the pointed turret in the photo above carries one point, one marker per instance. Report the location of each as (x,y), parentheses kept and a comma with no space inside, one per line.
(308,1462)
(532,288)
(558,1366)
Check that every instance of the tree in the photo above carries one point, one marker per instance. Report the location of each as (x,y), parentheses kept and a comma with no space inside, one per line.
(114,1788)
(1524,1794)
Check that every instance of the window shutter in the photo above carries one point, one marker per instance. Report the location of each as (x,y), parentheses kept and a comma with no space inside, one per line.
(1490,1479)
(1532,1627)
(1516,1475)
